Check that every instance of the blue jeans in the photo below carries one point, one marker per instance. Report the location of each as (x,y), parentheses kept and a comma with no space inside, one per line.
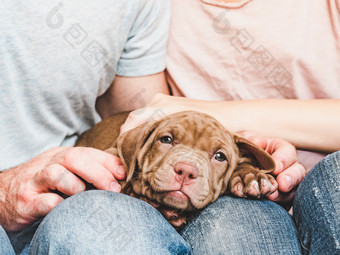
(317,208)
(99,222)
(5,244)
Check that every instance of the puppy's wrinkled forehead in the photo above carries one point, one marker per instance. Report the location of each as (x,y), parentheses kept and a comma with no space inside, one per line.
(189,127)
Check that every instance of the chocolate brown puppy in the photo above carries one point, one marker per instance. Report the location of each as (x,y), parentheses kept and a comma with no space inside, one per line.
(184,161)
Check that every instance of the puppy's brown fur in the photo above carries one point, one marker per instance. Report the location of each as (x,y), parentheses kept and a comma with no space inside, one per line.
(185,160)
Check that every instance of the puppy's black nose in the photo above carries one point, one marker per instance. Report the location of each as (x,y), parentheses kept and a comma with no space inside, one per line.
(185,172)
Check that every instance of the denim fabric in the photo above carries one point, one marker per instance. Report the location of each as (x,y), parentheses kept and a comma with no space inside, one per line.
(21,239)
(100,222)
(241,226)
(317,208)
(5,245)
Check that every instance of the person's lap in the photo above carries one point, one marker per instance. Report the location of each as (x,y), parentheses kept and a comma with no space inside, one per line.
(241,226)
(99,222)
(5,244)
(317,208)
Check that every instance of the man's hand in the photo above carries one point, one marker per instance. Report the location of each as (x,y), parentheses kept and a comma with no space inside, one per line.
(289,172)
(27,191)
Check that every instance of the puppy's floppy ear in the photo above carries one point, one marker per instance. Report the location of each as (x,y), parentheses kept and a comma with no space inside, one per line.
(131,142)
(113,151)
(254,155)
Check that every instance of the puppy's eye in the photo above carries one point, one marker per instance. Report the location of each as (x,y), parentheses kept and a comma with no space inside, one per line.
(219,156)
(166,139)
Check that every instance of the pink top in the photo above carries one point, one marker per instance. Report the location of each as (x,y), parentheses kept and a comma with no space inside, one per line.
(254,49)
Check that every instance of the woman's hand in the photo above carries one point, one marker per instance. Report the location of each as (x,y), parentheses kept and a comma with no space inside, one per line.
(289,172)
(160,106)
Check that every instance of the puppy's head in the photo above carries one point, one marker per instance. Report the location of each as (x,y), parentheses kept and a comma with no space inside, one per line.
(184,160)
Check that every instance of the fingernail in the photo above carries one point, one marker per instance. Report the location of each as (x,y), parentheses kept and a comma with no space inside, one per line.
(289,181)
(115,187)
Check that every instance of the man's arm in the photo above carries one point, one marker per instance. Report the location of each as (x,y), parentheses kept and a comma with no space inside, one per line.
(140,69)
(130,93)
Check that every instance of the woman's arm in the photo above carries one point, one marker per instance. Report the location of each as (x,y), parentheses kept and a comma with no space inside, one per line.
(307,124)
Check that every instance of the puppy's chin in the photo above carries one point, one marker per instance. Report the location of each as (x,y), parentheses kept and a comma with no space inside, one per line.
(176,199)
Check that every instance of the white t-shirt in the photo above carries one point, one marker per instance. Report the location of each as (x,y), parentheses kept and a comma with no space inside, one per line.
(57,58)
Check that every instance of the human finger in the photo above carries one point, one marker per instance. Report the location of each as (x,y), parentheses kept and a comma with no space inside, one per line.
(93,166)
(43,204)
(57,177)
(291,177)
(284,199)
(110,162)
(283,153)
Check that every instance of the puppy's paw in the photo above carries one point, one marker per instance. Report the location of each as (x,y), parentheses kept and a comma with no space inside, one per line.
(251,182)
(174,217)
(178,223)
